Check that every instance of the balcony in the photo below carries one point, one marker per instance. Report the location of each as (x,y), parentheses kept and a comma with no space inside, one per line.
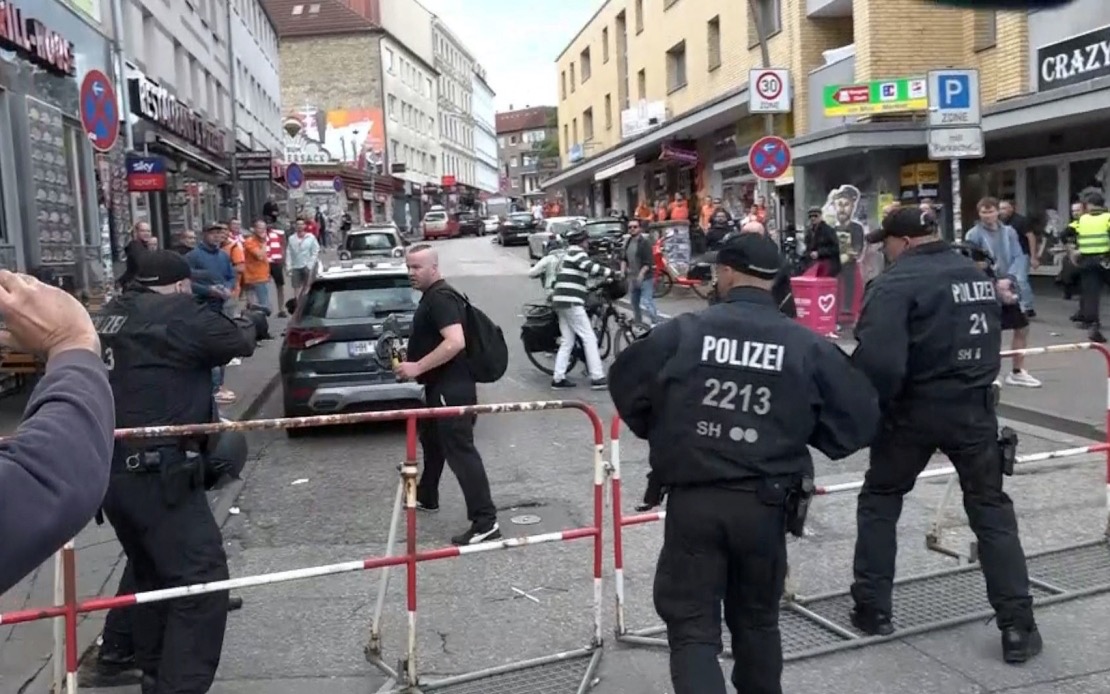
(820,9)
(842,72)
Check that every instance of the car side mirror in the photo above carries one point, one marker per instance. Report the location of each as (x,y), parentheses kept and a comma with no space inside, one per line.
(344,255)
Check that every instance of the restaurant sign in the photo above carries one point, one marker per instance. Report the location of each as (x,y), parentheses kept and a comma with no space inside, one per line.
(152,102)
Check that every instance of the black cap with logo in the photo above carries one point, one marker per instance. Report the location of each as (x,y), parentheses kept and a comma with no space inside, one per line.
(750,253)
(906,222)
(161,268)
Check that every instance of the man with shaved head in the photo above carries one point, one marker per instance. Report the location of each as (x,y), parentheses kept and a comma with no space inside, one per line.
(437,359)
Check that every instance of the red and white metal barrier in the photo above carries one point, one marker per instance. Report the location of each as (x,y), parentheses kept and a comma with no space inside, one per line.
(621,521)
(68,607)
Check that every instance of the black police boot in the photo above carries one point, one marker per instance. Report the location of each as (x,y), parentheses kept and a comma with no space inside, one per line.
(1095,335)
(871,621)
(110,670)
(1020,644)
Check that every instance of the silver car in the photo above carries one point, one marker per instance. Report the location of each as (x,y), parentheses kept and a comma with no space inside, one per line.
(373,241)
(555,226)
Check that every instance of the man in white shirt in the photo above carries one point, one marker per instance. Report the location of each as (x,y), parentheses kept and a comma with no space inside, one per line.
(302,252)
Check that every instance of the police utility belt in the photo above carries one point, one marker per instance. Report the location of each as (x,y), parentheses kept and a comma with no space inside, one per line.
(794,494)
(154,459)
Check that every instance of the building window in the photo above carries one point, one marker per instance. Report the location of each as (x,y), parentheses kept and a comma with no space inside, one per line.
(574,129)
(667,4)
(608,111)
(587,69)
(641,85)
(588,124)
(605,45)
(572,78)
(389,60)
(676,67)
(770,20)
(566,137)
(639,16)
(392,107)
(513,163)
(985,29)
(713,39)
(563,84)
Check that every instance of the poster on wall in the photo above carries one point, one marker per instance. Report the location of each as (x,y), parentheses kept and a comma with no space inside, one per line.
(355,136)
(844,210)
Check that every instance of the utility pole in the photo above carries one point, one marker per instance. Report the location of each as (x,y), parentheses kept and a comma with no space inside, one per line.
(123,88)
(232,84)
(767,188)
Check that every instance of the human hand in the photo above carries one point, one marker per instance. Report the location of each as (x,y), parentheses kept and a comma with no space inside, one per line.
(407,371)
(42,319)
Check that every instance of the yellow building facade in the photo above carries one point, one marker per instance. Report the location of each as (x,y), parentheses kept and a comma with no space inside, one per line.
(653,100)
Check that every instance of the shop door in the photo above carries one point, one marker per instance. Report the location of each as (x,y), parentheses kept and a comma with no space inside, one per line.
(1041,207)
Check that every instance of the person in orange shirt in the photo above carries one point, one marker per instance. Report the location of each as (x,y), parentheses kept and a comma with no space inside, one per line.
(643,212)
(680,210)
(256,265)
(233,246)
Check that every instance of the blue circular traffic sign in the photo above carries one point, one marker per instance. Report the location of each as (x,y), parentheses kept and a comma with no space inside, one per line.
(99,116)
(337,184)
(294,176)
(769,157)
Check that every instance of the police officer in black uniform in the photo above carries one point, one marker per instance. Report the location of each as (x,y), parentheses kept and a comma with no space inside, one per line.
(929,337)
(729,399)
(160,346)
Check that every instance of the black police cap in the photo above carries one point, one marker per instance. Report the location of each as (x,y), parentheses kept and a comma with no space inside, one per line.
(907,222)
(750,253)
(161,268)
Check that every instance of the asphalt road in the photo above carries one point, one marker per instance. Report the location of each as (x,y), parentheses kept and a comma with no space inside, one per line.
(327,498)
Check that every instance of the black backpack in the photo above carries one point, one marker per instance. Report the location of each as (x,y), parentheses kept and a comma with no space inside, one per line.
(486,350)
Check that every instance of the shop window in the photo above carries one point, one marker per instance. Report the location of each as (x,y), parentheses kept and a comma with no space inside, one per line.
(1087,174)
(1041,189)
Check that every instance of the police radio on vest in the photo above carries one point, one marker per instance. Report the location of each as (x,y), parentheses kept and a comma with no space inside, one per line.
(973,292)
(724,351)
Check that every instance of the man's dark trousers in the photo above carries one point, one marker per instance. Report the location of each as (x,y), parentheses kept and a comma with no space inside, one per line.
(117,624)
(722,545)
(965,431)
(451,440)
(171,544)
(1092,278)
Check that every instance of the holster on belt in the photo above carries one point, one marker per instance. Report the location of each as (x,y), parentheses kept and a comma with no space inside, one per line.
(181,473)
(1007,449)
(798,498)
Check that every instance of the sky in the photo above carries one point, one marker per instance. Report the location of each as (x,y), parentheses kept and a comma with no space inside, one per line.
(516,41)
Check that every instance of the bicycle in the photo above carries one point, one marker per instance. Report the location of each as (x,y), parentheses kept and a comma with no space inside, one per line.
(541,337)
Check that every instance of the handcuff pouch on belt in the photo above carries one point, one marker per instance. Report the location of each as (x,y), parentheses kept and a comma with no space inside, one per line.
(180,469)
(1007,449)
(798,498)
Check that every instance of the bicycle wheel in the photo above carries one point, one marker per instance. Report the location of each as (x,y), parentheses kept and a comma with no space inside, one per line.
(662,285)
(600,325)
(545,361)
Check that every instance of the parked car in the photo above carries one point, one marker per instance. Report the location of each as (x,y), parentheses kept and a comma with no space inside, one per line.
(438,224)
(514,231)
(471,224)
(330,361)
(539,240)
(373,241)
(604,232)
(492,224)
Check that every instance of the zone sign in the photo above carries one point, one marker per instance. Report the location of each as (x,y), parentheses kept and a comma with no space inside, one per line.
(769,90)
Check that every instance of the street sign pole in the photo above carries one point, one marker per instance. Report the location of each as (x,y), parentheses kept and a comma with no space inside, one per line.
(955,130)
(767,188)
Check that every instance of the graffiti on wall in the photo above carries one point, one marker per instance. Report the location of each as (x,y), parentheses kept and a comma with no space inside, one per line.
(355,136)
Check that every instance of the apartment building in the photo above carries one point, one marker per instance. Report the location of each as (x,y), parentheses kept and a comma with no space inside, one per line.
(653,100)
(486,171)
(527,151)
(456,109)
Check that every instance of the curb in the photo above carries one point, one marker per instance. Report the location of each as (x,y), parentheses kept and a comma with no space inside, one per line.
(221,509)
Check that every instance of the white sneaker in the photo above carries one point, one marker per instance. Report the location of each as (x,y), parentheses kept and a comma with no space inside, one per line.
(1022,378)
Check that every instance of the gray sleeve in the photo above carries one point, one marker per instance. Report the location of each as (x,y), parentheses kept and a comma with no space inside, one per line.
(54,469)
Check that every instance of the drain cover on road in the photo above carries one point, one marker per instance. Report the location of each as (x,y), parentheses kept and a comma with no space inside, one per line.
(525,519)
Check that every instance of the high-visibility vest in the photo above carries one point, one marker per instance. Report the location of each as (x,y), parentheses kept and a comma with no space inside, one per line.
(1093,233)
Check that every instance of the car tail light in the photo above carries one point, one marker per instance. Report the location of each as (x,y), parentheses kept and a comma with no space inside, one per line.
(302,394)
(304,338)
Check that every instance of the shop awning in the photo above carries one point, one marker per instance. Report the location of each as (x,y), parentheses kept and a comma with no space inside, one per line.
(192,156)
(705,119)
(618,168)
(853,138)
(1078,103)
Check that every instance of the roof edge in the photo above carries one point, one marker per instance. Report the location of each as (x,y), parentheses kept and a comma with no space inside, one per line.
(585,26)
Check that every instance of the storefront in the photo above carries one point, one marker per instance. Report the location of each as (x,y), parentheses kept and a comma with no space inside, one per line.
(194,151)
(50,219)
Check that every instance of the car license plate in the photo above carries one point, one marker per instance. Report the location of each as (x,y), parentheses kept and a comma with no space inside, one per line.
(360,349)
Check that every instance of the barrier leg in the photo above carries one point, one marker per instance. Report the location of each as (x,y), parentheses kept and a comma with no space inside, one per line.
(618,523)
(599,549)
(374,647)
(408,475)
(58,682)
(69,576)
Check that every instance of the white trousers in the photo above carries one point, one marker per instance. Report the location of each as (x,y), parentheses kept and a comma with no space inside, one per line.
(573,322)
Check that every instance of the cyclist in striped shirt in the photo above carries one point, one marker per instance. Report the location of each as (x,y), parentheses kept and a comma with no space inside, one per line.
(569,301)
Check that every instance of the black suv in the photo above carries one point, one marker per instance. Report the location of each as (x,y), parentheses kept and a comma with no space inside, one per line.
(470,224)
(516,228)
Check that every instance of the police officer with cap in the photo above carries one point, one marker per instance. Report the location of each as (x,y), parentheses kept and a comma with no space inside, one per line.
(929,338)
(160,346)
(729,399)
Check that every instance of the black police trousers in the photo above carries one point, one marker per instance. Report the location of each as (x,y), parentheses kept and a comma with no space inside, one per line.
(117,634)
(967,433)
(722,545)
(1092,278)
(451,441)
(171,543)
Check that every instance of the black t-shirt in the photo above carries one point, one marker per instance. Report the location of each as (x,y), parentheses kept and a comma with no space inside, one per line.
(1021,226)
(440,306)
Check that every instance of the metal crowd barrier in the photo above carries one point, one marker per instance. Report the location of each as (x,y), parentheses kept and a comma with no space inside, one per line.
(649,636)
(406,676)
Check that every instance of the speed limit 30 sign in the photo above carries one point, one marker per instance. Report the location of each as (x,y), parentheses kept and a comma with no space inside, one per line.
(769,90)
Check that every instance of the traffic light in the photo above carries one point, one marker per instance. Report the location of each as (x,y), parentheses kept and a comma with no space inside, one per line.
(1001,4)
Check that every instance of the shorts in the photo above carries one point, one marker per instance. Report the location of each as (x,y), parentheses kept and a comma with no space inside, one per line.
(277,273)
(1013,318)
(299,277)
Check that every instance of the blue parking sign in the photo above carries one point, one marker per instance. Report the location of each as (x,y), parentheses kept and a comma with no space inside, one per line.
(955,91)
(954,98)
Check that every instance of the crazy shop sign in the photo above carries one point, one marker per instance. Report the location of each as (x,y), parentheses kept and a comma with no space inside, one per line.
(1076,60)
(150,101)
